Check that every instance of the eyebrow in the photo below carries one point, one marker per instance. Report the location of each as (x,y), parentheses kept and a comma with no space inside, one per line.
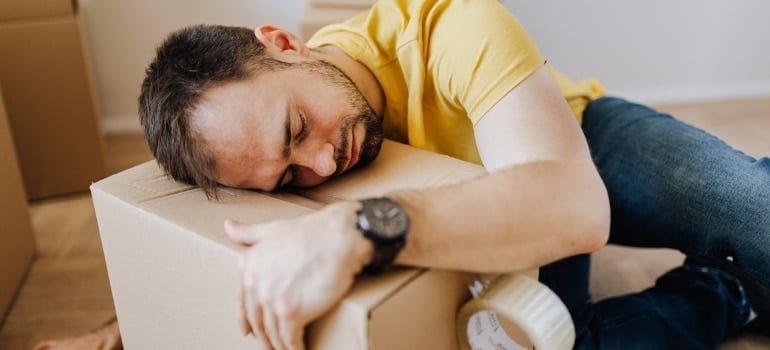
(286,145)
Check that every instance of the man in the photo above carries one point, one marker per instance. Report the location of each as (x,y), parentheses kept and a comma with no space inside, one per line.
(569,168)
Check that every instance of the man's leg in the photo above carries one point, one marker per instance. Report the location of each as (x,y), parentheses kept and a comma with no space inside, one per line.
(675,186)
(689,307)
(670,185)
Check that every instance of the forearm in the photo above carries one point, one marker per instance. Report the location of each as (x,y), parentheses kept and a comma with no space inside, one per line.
(516,218)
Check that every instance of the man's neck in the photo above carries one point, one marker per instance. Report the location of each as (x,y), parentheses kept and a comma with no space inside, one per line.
(360,74)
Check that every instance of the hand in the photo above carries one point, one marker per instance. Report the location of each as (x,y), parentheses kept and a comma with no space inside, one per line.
(296,270)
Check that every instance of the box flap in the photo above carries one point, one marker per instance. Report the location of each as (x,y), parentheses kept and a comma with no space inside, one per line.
(345,326)
(11,10)
(420,315)
(398,167)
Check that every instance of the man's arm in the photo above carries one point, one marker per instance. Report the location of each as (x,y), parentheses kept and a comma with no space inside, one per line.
(543,199)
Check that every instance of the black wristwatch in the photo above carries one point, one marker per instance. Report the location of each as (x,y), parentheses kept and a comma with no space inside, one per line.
(385,223)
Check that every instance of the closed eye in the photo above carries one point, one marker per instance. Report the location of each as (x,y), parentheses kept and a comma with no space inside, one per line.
(303,129)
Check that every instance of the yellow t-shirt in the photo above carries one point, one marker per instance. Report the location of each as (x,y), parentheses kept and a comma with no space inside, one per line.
(442,65)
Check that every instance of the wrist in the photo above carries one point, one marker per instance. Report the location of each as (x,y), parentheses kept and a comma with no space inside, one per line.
(361,249)
(385,224)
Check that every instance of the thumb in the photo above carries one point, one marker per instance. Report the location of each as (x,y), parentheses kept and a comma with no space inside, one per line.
(242,233)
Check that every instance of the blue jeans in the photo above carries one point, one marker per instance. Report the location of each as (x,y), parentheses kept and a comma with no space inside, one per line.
(670,185)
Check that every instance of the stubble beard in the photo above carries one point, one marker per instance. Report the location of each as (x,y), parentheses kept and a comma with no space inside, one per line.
(374,135)
(371,145)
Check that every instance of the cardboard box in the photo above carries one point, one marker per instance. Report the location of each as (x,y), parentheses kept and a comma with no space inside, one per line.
(51,106)
(174,276)
(17,242)
(11,10)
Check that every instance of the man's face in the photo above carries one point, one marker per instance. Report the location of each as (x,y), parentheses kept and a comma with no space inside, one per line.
(293,127)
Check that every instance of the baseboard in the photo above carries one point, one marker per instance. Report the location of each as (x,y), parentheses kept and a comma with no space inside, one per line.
(684,95)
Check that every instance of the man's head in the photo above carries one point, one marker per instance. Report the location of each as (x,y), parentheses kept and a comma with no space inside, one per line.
(225,105)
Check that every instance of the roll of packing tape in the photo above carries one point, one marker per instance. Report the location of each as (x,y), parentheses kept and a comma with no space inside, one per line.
(515,312)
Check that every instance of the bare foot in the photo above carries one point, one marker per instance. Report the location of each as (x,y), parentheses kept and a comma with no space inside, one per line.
(105,337)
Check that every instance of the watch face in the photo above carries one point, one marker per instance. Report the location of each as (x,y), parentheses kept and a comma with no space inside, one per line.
(384,218)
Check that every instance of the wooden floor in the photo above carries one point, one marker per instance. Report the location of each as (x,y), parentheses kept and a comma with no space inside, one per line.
(67,291)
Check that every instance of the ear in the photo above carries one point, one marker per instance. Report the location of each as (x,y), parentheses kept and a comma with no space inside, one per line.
(275,38)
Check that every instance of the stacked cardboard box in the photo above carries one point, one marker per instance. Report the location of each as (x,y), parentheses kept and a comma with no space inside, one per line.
(49,97)
(174,276)
(17,244)
(319,13)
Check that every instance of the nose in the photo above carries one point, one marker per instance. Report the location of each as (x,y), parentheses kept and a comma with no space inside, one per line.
(320,160)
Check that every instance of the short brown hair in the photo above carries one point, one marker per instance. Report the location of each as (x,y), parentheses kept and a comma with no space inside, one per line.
(188,63)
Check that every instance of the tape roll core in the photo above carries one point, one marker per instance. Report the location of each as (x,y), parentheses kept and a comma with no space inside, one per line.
(515,312)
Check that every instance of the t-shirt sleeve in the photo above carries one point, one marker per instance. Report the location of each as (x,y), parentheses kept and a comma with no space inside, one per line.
(477,52)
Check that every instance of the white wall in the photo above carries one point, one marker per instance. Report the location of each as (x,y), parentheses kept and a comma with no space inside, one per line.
(122,37)
(651,51)
(657,50)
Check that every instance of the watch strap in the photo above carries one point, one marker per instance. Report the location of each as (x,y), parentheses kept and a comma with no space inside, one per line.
(383,257)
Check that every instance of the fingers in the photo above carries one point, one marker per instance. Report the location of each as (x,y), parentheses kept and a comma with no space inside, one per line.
(285,333)
(255,320)
(245,323)
(252,321)
(292,333)
(271,328)
(261,320)
(274,332)
(275,323)
(241,233)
